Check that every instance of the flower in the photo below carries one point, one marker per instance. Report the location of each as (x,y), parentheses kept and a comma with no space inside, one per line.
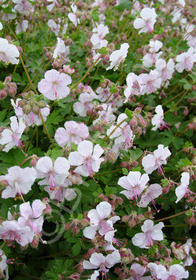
(150,233)
(3,265)
(97,220)
(86,158)
(31,216)
(122,133)
(30,119)
(157,120)
(175,272)
(23,7)
(54,86)
(12,230)
(133,86)
(182,189)
(72,16)
(155,160)
(10,137)
(147,20)
(152,192)
(85,103)
(18,181)
(117,56)
(186,60)
(72,133)
(8,52)
(97,38)
(97,260)
(61,50)
(134,183)
(53,172)
(150,82)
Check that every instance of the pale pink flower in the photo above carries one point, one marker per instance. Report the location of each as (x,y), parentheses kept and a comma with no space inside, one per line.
(61,50)
(183,188)
(51,6)
(84,104)
(12,230)
(54,86)
(99,33)
(133,86)
(97,260)
(147,20)
(31,216)
(152,192)
(188,260)
(61,191)
(8,52)
(30,119)
(137,270)
(154,161)
(122,132)
(175,272)
(150,233)
(150,58)
(157,119)
(165,70)
(118,56)
(106,115)
(22,27)
(186,60)
(3,265)
(98,221)
(53,172)
(10,137)
(72,133)
(19,181)
(87,158)
(72,16)
(150,82)
(23,7)
(104,94)
(55,27)
(134,183)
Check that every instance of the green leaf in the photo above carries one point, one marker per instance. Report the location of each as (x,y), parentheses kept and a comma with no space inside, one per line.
(125,171)
(76,249)
(2,85)
(124,4)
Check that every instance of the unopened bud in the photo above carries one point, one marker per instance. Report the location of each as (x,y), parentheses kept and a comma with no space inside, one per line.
(3,94)
(41,104)
(35,109)
(26,109)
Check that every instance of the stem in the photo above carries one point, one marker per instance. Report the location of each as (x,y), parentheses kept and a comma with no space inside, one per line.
(25,69)
(44,125)
(114,130)
(172,216)
(86,73)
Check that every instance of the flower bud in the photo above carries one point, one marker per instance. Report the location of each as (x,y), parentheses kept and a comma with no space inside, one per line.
(41,104)
(26,109)
(3,94)
(35,109)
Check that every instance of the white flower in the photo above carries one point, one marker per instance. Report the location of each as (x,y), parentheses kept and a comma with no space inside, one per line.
(8,52)
(154,161)
(117,56)
(150,233)
(72,16)
(134,183)
(10,137)
(186,60)
(19,181)
(87,158)
(147,20)
(22,27)
(98,221)
(157,120)
(183,188)
(61,50)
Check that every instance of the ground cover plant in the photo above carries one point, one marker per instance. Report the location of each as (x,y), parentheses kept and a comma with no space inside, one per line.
(97,133)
